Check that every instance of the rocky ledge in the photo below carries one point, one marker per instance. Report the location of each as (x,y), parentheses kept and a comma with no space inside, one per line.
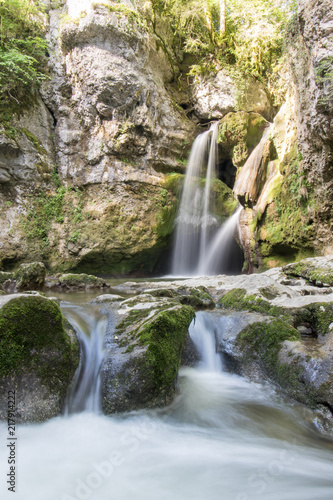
(286,333)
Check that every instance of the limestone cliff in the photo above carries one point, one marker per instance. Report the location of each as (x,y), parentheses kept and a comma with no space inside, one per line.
(82,171)
(89,175)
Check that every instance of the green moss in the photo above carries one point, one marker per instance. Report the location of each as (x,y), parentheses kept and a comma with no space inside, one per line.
(32,335)
(265,339)
(238,300)
(35,141)
(165,337)
(81,280)
(311,272)
(4,276)
(198,297)
(239,134)
(285,231)
(30,276)
(319,315)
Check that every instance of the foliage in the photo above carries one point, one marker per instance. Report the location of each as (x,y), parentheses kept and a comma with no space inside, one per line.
(23,52)
(324,78)
(250,43)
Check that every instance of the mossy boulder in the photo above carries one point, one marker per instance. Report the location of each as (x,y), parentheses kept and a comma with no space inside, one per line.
(239,134)
(39,354)
(239,300)
(30,276)
(318,271)
(78,281)
(273,346)
(145,353)
(197,297)
(6,280)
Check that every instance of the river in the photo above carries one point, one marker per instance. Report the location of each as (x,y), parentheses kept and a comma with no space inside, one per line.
(223,438)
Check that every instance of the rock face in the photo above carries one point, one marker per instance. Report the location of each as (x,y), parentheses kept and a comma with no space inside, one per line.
(82,174)
(39,356)
(213,96)
(144,354)
(312,53)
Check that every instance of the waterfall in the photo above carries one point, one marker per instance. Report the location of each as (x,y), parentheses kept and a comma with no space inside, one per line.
(221,246)
(196,224)
(202,333)
(90,328)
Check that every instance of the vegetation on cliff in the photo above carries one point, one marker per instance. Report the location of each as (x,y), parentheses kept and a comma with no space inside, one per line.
(248,40)
(23,50)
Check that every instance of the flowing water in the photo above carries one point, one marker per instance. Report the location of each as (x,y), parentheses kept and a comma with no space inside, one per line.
(223,438)
(196,222)
(90,328)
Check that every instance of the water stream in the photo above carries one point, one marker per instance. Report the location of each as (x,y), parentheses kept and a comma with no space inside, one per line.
(196,222)
(223,438)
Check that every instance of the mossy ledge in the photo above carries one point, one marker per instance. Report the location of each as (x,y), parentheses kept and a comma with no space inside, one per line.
(238,300)
(38,355)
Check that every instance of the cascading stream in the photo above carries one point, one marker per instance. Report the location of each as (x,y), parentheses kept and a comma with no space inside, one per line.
(223,437)
(194,221)
(90,328)
(201,247)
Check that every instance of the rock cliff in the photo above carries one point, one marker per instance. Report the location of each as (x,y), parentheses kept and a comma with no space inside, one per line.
(89,174)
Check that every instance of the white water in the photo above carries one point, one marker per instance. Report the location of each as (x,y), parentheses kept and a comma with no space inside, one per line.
(220,247)
(195,221)
(90,328)
(223,439)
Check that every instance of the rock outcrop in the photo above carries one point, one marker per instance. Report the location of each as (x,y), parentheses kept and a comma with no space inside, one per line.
(144,353)
(39,356)
(312,55)
(273,325)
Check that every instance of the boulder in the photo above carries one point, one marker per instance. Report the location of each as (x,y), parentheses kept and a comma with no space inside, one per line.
(77,282)
(144,353)
(39,353)
(30,276)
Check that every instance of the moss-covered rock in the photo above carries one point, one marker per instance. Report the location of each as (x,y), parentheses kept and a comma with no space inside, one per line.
(197,297)
(147,345)
(30,276)
(238,300)
(6,281)
(78,281)
(39,354)
(318,271)
(239,134)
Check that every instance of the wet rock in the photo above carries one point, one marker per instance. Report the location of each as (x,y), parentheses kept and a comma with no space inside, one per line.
(318,271)
(77,282)
(30,276)
(39,354)
(144,353)
(107,298)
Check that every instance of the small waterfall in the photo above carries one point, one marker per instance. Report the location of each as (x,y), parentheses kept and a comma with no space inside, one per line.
(90,328)
(196,224)
(221,247)
(202,333)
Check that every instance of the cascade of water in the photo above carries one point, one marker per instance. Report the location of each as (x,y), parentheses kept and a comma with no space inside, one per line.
(90,328)
(221,246)
(194,220)
(196,249)
(202,333)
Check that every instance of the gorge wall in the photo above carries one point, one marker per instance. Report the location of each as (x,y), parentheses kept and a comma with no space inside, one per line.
(90,175)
